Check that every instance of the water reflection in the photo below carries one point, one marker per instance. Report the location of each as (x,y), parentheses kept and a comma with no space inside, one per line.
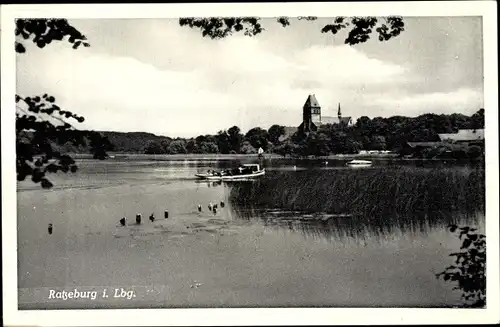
(209,183)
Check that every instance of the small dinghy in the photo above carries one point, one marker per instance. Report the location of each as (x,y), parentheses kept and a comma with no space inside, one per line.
(359,163)
(241,173)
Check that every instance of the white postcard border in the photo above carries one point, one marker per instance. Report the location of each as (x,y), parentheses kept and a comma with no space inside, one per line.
(267,316)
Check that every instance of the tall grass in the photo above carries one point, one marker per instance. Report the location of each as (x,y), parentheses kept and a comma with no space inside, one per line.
(376,193)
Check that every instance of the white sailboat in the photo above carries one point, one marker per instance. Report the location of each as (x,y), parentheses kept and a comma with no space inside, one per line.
(359,163)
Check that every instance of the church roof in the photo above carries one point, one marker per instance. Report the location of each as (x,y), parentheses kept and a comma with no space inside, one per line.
(290,130)
(464,135)
(311,101)
(335,120)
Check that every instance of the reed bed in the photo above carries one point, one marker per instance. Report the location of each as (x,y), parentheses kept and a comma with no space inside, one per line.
(376,193)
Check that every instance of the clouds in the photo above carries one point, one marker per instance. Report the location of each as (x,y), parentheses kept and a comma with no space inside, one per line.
(154,76)
(344,66)
(458,101)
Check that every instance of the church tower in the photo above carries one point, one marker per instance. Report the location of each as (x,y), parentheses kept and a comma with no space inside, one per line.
(311,113)
(339,114)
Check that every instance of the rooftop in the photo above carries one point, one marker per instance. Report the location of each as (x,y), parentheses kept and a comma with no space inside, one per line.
(424,144)
(335,120)
(464,135)
(311,101)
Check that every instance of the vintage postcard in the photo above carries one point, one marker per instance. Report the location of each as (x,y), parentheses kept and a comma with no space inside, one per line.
(250,164)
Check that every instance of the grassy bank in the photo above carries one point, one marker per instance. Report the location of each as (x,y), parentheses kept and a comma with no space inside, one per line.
(369,192)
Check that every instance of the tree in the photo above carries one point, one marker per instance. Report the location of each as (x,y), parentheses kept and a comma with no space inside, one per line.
(377,143)
(286,148)
(191,146)
(223,143)
(41,125)
(275,132)
(364,124)
(154,147)
(247,148)
(351,146)
(257,138)
(315,144)
(360,31)
(469,268)
(235,138)
(165,145)
(177,146)
(477,120)
(208,147)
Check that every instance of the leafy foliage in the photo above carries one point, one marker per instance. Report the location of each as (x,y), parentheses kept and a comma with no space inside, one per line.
(258,138)
(218,28)
(42,126)
(469,270)
(361,28)
(223,142)
(178,146)
(275,132)
(247,148)
(478,119)
(44,31)
(235,138)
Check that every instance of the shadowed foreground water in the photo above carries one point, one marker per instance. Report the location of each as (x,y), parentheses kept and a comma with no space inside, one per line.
(237,257)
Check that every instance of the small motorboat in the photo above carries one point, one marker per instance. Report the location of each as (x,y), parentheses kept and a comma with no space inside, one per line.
(359,163)
(243,172)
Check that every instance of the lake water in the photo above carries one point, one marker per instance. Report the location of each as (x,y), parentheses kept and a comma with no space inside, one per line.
(237,257)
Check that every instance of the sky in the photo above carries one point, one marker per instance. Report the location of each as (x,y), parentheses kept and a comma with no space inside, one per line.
(152,75)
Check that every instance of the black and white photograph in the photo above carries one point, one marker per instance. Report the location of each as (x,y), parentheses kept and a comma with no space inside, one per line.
(281,157)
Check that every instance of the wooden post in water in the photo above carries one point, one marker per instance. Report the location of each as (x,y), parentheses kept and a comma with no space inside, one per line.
(138,218)
(166,214)
(50,228)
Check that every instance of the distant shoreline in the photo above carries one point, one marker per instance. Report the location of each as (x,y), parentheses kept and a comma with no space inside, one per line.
(210,156)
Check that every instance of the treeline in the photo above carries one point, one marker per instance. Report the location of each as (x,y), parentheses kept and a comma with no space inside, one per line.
(391,134)
(367,134)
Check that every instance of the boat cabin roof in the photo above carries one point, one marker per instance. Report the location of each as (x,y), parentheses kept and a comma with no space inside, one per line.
(251,166)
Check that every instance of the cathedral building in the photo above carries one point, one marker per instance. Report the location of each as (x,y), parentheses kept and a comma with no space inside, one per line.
(312,118)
